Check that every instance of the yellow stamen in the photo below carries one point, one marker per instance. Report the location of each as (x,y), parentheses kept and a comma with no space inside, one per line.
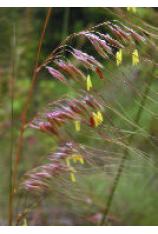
(81,160)
(72,177)
(135,57)
(98,118)
(77,157)
(89,83)
(95,117)
(77,125)
(119,56)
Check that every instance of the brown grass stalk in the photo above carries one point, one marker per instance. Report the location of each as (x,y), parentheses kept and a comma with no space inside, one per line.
(11,84)
(24,116)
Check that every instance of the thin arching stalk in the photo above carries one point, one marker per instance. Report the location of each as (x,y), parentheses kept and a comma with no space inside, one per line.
(26,107)
(12,81)
(126,152)
(66,22)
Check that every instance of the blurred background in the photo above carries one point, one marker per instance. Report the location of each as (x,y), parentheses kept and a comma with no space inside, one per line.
(136,200)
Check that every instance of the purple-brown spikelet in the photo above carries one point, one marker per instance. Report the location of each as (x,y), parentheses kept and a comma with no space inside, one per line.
(92,102)
(63,151)
(87,60)
(76,108)
(100,73)
(46,127)
(135,35)
(71,110)
(38,179)
(56,74)
(100,45)
(112,42)
(34,185)
(120,33)
(55,119)
(70,69)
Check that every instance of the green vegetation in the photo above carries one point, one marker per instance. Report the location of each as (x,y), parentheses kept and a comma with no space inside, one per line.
(78,144)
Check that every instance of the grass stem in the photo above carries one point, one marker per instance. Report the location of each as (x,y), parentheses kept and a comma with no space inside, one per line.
(126,152)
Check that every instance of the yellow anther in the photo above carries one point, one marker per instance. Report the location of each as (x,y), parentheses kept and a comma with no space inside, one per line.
(89,83)
(98,118)
(74,158)
(95,117)
(77,125)
(135,57)
(119,56)
(72,177)
(81,160)
(77,157)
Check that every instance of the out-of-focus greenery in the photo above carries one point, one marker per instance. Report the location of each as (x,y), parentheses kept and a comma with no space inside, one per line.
(136,201)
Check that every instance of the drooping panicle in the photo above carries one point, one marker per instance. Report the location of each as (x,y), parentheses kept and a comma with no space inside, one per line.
(99,44)
(68,111)
(111,41)
(119,32)
(38,179)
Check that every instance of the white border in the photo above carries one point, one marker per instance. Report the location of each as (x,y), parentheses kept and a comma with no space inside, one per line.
(79,229)
(78,3)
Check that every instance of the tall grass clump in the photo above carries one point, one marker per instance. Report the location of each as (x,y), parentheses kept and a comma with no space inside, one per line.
(106,69)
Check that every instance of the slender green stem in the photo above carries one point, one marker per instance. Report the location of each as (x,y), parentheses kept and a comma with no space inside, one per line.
(65,22)
(10,202)
(126,151)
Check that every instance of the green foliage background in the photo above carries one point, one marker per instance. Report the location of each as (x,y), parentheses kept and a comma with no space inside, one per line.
(136,201)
